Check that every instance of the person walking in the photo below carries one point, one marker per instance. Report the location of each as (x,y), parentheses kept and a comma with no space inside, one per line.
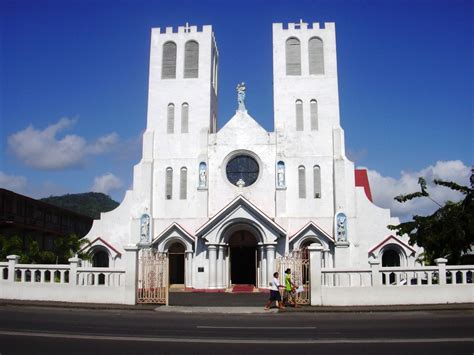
(290,290)
(275,293)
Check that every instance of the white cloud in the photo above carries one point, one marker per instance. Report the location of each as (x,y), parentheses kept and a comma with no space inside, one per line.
(385,188)
(14,183)
(42,149)
(106,183)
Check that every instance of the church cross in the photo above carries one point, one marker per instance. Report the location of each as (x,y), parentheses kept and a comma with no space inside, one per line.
(187,28)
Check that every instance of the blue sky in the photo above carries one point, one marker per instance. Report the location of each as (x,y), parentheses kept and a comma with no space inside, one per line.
(74,75)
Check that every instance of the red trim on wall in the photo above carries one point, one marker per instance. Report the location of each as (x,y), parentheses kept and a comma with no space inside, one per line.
(362,180)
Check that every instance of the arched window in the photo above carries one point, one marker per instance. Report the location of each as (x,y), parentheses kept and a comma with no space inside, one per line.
(317,181)
(183,182)
(281,174)
(293,56)
(191,59)
(169,183)
(299,115)
(168,67)
(301,182)
(316,56)
(313,108)
(170,119)
(184,117)
(100,258)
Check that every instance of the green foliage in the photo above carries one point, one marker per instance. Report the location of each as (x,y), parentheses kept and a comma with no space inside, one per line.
(90,204)
(448,232)
(64,248)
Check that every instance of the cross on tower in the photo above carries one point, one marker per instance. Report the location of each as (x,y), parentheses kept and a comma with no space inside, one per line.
(187,28)
(300,24)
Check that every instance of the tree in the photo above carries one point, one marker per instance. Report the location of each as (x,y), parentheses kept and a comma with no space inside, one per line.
(449,231)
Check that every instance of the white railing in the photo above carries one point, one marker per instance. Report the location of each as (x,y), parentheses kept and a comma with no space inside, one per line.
(41,273)
(346,277)
(100,276)
(70,282)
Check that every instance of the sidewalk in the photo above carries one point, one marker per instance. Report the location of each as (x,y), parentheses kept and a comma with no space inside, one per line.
(242,309)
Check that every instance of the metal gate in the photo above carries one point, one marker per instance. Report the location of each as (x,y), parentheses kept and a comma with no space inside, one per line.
(299,266)
(152,277)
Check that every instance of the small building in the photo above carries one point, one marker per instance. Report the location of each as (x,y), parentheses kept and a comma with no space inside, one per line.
(224,204)
(26,217)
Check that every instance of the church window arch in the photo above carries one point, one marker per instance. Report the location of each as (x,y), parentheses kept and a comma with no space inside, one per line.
(299,115)
(169,183)
(281,183)
(191,59)
(184,117)
(313,108)
(317,181)
(183,182)
(301,182)
(293,56)
(316,56)
(170,119)
(168,67)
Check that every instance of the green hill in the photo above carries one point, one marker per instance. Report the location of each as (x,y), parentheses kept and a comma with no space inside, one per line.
(89,203)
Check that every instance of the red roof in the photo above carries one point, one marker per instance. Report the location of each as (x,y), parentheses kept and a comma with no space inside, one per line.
(361,179)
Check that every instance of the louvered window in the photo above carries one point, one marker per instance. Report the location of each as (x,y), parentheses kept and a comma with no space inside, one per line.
(168,68)
(183,182)
(299,115)
(313,107)
(293,56)
(317,181)
(191,59)
(170,119)
(316,56)
(301,182)
(184,117)
(169,183)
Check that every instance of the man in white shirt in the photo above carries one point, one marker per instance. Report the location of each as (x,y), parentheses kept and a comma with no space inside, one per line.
(275,293)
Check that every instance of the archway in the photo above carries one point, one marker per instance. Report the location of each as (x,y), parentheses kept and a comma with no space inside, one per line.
(243,258)
(176,263)
(390,258)
(100,258)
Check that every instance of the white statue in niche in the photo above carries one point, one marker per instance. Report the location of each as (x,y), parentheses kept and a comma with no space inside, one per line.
(341,227)
(145,229)
(281,174)
(202,175)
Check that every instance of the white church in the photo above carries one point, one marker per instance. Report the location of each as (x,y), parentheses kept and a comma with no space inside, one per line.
(225,204)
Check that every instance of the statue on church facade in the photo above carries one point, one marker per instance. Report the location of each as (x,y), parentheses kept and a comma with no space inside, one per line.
(341,227)
(145,229)
(241,96)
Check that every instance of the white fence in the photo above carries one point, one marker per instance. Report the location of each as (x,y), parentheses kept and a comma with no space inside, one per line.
(389,285)
(70,282)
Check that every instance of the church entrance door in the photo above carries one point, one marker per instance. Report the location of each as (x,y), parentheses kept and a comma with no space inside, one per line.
(176,263)
(243,258)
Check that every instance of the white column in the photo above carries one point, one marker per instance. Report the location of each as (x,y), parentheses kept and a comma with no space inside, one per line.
(220,266)
(188,273)
(12,261)
(270,260)
(212,265)
(262,268)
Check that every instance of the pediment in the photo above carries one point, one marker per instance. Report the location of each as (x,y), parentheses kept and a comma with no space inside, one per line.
(310,232)
(99,243)
(243,123)
(173,233)
(240,213)
(388,242)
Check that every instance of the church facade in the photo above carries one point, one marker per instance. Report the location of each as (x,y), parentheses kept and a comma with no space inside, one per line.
(225,204)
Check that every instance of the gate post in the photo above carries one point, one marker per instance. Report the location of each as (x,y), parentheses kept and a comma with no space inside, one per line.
(315,251)
(12,261)
(131,273)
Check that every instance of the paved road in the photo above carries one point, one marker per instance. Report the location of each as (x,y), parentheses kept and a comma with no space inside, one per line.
(32,330)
